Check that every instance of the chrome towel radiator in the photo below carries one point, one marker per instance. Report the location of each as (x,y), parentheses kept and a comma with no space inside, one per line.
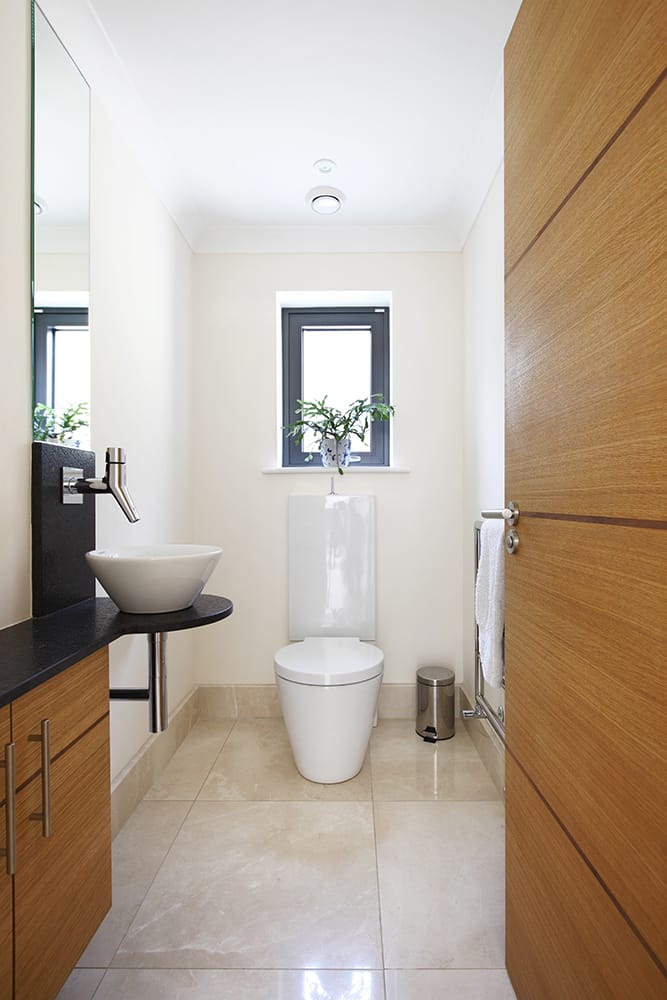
(483,709)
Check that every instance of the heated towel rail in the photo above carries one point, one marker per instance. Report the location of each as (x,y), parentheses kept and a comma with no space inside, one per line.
(483,708)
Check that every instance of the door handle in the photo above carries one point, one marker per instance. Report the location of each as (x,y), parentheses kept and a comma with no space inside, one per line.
(509,513)
(9,764)
(45,739)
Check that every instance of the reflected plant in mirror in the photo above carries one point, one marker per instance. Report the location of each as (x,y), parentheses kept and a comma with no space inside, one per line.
(61,341)
(60,428)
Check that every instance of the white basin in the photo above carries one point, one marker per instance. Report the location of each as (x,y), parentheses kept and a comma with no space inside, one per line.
(152,579)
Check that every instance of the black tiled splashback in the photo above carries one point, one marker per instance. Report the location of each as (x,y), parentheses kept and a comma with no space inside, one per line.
(61,533)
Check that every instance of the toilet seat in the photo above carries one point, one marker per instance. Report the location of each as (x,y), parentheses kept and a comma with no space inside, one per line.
(329,661)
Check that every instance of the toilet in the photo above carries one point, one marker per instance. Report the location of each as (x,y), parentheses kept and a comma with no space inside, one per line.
(329,678)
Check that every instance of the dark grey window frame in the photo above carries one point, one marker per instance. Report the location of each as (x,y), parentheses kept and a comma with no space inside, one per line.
(46,322)
(293,321)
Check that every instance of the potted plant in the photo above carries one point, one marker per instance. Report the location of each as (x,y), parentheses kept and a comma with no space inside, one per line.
(335,428)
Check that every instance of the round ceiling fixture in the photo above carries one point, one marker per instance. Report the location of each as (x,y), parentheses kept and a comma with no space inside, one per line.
(325,201)
(325,165)
(39,205)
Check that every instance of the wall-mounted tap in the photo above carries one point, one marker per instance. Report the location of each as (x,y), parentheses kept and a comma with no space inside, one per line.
(114,482)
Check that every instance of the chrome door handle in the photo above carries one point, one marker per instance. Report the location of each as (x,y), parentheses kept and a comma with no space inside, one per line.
(9,764)
(509,513)
(45,739)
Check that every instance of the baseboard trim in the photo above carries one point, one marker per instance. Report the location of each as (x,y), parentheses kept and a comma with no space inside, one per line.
(260,701)
(489,747)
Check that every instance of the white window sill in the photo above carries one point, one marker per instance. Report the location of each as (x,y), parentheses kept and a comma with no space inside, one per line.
(319,470)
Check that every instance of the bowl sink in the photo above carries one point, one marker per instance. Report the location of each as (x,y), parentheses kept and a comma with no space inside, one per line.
(153,579)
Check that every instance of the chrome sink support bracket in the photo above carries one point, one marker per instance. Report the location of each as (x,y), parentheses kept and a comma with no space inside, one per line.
(156,692)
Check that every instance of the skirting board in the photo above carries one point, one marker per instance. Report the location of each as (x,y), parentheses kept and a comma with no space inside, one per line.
(260,701)
(487,744)
(223,701)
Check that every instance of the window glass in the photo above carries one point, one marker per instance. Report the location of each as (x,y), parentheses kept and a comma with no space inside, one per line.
(336,363)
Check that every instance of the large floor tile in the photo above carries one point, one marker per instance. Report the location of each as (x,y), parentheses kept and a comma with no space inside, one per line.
(263,885)
(81,985)
(256,764)
(405,768)
(138,851)
(454,984)
(186,772)
(245,984)
(440,869)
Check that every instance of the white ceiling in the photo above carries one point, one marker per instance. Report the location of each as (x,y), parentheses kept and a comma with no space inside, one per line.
(238,98)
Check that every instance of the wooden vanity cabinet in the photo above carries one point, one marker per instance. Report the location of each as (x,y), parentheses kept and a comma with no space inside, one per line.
(6,964)
(62,883)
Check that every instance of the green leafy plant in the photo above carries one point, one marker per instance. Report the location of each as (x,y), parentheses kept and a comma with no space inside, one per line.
(329,422)
(49,425)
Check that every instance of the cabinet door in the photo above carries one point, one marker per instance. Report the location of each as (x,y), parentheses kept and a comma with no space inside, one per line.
(73,701)
(6,980)
(62,886)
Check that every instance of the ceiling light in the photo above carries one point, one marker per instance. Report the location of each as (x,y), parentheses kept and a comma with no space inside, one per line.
(325,201)
(325,204)
(325,165)
(39,205)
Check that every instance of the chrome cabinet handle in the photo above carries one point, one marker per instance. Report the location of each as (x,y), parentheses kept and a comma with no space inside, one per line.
(45,739)
(9,764)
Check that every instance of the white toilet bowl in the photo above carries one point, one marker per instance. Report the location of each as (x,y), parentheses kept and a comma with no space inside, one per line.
(329,689)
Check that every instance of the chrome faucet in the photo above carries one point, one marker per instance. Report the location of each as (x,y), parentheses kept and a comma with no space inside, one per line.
(114,482)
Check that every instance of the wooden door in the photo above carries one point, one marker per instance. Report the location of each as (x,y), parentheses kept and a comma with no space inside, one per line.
(586,417)
(6,931)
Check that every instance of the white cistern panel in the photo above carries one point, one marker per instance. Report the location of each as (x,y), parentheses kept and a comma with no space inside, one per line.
(331,566)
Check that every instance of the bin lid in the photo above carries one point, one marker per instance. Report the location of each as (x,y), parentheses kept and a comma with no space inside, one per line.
(435,676)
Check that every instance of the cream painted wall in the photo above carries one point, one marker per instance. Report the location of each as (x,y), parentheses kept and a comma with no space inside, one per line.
(140,316)
(484,396)
(15,377)
(245,511)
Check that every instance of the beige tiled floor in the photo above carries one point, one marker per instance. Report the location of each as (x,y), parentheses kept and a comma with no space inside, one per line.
(236,879)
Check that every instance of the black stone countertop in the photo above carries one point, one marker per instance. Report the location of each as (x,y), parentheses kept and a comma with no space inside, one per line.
(39,648)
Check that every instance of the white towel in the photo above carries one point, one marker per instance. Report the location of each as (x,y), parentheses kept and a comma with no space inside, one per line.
(490,600)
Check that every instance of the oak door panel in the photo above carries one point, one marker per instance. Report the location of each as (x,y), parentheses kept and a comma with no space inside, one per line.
(586,347)
(573,74)
(566,940)
(585,607)
(63,883)
(73,700)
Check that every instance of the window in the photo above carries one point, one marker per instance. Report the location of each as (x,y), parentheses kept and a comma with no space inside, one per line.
(343,354)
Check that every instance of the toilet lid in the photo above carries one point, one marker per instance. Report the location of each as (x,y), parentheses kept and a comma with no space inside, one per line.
(329,661)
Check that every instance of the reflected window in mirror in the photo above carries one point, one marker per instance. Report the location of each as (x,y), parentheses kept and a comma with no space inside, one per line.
(62,375)
(61,184)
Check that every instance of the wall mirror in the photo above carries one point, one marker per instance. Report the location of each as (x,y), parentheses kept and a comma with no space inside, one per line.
(60,259)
